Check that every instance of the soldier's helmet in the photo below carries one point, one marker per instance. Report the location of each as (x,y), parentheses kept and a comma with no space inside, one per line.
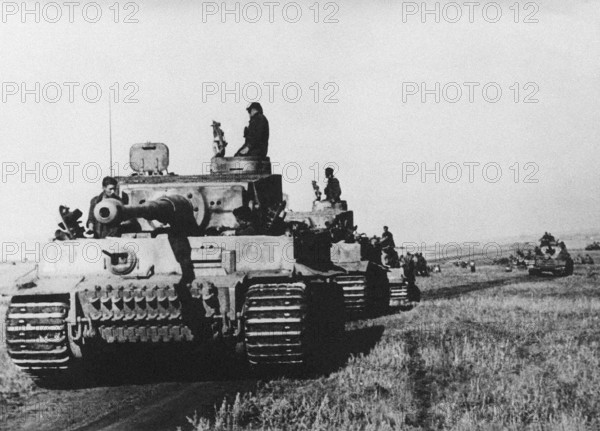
(328,171)
(254,105)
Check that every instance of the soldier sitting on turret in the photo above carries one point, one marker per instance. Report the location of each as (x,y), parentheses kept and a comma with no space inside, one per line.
(333,190)
(256,134)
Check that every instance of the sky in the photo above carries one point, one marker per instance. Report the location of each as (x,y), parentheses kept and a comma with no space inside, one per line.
(482,125)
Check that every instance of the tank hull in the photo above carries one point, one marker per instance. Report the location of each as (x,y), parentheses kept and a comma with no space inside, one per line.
(77,302)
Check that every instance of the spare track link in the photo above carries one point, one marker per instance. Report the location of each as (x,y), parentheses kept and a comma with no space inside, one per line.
(137,314)
(36,333)
(355,293)
(275,323)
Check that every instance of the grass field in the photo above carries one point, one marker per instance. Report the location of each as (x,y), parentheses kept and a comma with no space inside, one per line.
(489,350)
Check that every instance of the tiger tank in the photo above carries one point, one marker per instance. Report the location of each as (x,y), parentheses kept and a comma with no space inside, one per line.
(364,280)
(195,260)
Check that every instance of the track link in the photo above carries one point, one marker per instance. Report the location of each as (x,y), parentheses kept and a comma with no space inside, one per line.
(399,294)
(36,333)
(137,314)
(275,323)
(355,293)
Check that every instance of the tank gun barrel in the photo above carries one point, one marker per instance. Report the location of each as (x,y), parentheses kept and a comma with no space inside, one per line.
(173,209)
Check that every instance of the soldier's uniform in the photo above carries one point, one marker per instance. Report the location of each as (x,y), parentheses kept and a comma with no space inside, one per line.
(333,191)
(410,269)
(256,134)
(387,239)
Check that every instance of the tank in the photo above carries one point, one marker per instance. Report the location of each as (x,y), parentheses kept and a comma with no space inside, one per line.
(199,260)
(365,282)
(550,257)
(593,246)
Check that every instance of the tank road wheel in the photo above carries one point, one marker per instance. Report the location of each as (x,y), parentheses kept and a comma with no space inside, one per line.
(36,334)
(296,324)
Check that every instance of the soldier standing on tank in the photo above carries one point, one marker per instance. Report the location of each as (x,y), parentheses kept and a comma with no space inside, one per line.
(333,191)
(387,239)
(256,134)
(99,230)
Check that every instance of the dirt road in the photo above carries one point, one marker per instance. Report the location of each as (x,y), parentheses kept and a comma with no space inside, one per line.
(143,406)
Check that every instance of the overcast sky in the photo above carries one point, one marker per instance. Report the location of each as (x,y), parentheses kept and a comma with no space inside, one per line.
(370,60)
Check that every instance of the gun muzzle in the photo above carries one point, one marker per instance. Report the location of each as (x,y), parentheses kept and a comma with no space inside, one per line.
(173,209)
(107,211)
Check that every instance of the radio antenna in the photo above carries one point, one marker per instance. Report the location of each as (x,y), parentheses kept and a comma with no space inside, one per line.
(110,136)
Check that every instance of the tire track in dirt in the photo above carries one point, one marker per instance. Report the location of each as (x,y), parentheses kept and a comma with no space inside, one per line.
(421,382)
(161,406)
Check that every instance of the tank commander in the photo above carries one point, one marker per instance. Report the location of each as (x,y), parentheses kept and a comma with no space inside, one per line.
(99,230)
(256,134)
(333,190)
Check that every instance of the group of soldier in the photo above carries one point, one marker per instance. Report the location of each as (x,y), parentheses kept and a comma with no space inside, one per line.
(414,264)
(584,260)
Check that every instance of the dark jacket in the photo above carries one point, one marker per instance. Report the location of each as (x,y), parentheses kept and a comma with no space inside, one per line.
(387,239)
(333,191)
(257,136)
(101,230)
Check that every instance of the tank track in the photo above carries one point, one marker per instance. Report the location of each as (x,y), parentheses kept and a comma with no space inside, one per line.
(36,333)
(275,323)
(355,293)
(399,294)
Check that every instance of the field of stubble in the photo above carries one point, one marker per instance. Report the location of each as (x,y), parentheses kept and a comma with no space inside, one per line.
(490,350)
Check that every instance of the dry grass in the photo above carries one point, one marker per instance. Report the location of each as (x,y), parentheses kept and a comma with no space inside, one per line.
(484,351)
